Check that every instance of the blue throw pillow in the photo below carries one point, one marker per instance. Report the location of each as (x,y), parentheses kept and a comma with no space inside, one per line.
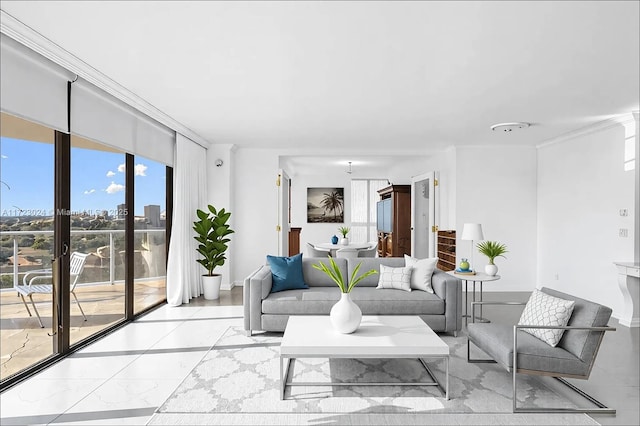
(286,273)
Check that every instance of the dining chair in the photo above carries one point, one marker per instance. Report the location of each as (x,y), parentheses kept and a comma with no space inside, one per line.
(368,252)
(347,252)
(314,251)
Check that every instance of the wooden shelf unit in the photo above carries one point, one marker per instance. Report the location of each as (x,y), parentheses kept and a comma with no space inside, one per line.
(395,239)
(447,250)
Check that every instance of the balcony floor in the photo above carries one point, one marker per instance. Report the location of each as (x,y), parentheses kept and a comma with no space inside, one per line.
(25,343)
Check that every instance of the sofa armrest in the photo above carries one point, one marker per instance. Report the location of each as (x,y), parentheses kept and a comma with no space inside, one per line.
(256,288)
(449,289)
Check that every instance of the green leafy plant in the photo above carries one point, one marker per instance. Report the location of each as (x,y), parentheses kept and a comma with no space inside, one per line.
(344,230)
(212,230)
(492,249)
(336,275)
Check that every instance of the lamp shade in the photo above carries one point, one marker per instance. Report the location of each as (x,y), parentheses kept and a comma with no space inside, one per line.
(472,231)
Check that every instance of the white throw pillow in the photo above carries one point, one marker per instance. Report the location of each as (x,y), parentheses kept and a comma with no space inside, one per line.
(397,278)
(421,272)
(543,309)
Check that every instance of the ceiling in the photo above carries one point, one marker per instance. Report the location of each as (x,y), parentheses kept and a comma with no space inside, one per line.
(415,77)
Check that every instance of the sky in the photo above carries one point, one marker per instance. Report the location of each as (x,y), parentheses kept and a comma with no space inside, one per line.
(97,180)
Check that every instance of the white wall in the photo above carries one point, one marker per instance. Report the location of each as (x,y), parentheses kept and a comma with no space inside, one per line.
(496,187)
(220,194)
(255,214)
(581,188)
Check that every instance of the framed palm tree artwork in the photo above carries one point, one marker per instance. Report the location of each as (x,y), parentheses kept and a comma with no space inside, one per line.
(325,205)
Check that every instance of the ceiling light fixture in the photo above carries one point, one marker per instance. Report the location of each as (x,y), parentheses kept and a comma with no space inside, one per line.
(509,127)
(349,171)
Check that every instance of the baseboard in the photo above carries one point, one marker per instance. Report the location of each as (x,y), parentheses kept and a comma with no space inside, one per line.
(227,286)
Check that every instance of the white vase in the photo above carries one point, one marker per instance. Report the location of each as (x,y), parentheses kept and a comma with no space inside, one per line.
(211,286)
(344,241)
(491,269)
(345,315)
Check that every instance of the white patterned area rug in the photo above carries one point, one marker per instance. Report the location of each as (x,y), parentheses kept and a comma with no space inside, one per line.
(237,382)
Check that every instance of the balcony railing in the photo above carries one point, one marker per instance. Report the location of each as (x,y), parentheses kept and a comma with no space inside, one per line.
(148,234)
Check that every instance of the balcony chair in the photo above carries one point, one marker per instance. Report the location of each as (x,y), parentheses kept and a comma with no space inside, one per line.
(521,352)
(313,251)
(31,283)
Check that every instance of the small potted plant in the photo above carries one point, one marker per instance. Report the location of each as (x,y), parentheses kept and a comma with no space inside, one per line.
(491,249)
(212,231)
(344,230)
(345,315)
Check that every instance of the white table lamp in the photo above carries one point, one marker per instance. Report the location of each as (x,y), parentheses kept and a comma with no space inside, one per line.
(473,232)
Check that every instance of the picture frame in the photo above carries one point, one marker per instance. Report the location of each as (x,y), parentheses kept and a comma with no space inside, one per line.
(325,205)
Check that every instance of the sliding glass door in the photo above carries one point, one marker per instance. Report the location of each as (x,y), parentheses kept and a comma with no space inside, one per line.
(97,251)
(97,295)
(26,243)
(150,235)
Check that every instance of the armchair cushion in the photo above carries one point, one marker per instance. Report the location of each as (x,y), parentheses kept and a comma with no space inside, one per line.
(533,354)
(546,310)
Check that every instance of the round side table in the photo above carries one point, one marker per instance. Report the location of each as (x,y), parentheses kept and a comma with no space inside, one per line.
(479,277)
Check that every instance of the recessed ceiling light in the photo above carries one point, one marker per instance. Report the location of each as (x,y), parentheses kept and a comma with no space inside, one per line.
(509,127)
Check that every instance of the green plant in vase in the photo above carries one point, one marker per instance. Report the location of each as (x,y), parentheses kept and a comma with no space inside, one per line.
(492,249)
(344,230)
(345,315)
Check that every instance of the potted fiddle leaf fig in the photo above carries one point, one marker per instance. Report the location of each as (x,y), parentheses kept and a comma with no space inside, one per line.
(212,236)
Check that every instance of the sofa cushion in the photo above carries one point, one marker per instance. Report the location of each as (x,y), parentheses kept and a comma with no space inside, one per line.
(421,272)
(286,273)
(395,278)
(369,263)
(315,278)
(372,301)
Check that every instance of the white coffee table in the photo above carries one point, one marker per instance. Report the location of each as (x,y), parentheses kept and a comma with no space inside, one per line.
(377,337)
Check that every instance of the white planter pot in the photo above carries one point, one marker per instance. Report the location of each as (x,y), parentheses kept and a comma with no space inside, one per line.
(344,241)
(211,286)
(345,315)
(491,269)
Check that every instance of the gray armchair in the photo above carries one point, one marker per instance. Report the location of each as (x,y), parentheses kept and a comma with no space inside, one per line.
(520,352)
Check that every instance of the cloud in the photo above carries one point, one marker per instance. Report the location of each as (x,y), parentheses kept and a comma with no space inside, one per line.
(141,170)
(114,187)
(4,157)
(90,191)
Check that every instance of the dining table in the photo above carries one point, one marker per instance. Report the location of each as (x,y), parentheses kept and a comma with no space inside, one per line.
(333,248)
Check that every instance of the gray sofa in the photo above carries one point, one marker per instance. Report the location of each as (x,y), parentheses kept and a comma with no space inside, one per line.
(268,311)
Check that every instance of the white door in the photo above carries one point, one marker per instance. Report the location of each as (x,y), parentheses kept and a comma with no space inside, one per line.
(424,211)
(283,183)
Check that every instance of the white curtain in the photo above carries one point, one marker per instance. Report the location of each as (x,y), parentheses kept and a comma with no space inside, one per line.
(189,194)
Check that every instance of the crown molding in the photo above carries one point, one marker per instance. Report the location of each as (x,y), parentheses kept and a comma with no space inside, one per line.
(35,41)
(619,120)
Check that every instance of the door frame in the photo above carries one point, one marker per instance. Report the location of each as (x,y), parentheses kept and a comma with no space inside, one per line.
(284,196)
(434,210)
